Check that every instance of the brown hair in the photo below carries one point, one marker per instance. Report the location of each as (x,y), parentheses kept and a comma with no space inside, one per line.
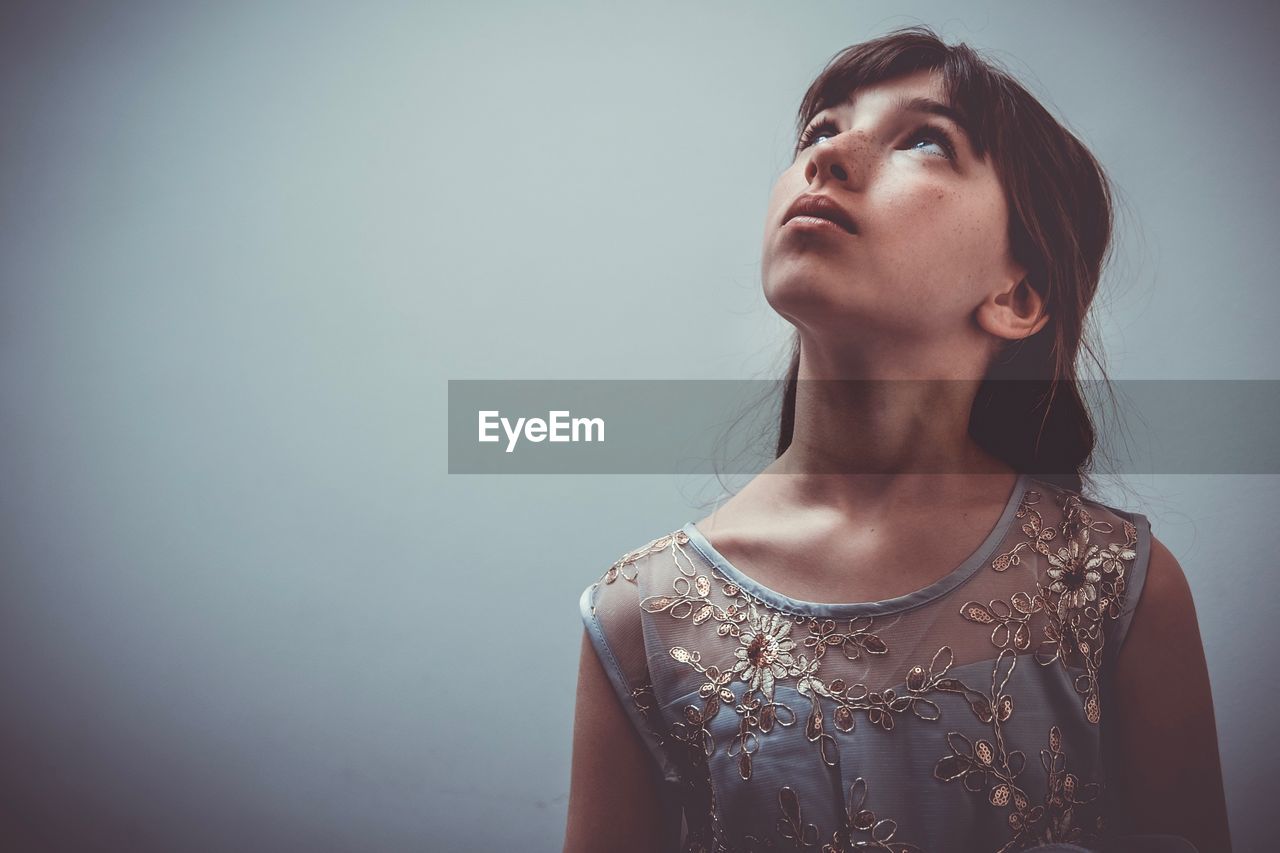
(1029,410)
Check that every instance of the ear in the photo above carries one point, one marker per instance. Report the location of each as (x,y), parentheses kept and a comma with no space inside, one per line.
(1012,314)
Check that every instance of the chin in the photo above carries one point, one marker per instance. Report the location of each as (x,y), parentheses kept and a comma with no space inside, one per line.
(811,298)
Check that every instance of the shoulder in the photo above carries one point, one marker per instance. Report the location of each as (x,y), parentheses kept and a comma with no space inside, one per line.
(1074,511)
(1109,546)
(1150,610)
(1166,605)
(612,607)
(634,570)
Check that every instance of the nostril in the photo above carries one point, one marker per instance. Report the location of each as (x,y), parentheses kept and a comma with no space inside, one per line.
(839,172)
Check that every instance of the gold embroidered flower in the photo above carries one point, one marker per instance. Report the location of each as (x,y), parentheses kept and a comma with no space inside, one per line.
(1112,558)
(765,653)
(1074,572)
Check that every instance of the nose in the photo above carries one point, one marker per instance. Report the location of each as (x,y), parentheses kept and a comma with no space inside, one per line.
(835,158)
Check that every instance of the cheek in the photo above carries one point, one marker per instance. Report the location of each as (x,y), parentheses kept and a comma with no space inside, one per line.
(910,209)
(936,220)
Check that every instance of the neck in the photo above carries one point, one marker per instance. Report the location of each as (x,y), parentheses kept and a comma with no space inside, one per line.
(871,440)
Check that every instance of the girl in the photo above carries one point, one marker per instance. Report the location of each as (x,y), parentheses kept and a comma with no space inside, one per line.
(904,639)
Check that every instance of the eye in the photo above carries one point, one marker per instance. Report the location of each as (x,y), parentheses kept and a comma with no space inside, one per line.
(814,131)
(938,136)
(928,132)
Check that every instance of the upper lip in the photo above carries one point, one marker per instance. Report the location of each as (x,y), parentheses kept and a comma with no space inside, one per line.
(823,207)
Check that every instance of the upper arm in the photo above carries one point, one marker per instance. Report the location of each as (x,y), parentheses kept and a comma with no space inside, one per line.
(1168,778)
(613,790)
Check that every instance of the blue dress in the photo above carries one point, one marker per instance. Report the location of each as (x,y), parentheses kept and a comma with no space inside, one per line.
(968,715)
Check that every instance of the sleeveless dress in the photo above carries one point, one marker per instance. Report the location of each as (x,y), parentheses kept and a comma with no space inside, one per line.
(967,715)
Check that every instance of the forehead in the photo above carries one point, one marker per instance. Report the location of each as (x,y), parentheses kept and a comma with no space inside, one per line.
(925,83)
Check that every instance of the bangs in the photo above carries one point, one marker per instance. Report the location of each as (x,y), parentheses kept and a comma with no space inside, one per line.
(971,87)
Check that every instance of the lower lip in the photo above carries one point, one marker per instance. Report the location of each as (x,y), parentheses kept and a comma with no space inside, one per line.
(814,223)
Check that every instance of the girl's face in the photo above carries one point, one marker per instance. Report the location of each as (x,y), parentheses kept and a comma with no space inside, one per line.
(931,241)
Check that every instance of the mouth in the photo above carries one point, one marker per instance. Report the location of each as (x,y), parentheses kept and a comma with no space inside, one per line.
(813,210)
(815,223)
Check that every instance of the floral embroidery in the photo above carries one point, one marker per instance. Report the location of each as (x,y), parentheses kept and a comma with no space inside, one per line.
(855,642)
(859,829)
(988,766)
(765,653)
(1083,586)
(684,745)
(754,715)
(1065,792)
(770,639)
(879,705)
(1074,577)
(629,559)
(1087,587)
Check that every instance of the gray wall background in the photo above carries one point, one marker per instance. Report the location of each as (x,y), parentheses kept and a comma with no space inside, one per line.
(244,245)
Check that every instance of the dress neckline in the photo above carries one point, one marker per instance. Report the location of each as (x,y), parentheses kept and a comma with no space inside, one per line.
(943,585)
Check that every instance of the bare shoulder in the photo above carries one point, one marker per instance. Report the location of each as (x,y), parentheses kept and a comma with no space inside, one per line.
(1166,601)
(1170,778)
(1162,656)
